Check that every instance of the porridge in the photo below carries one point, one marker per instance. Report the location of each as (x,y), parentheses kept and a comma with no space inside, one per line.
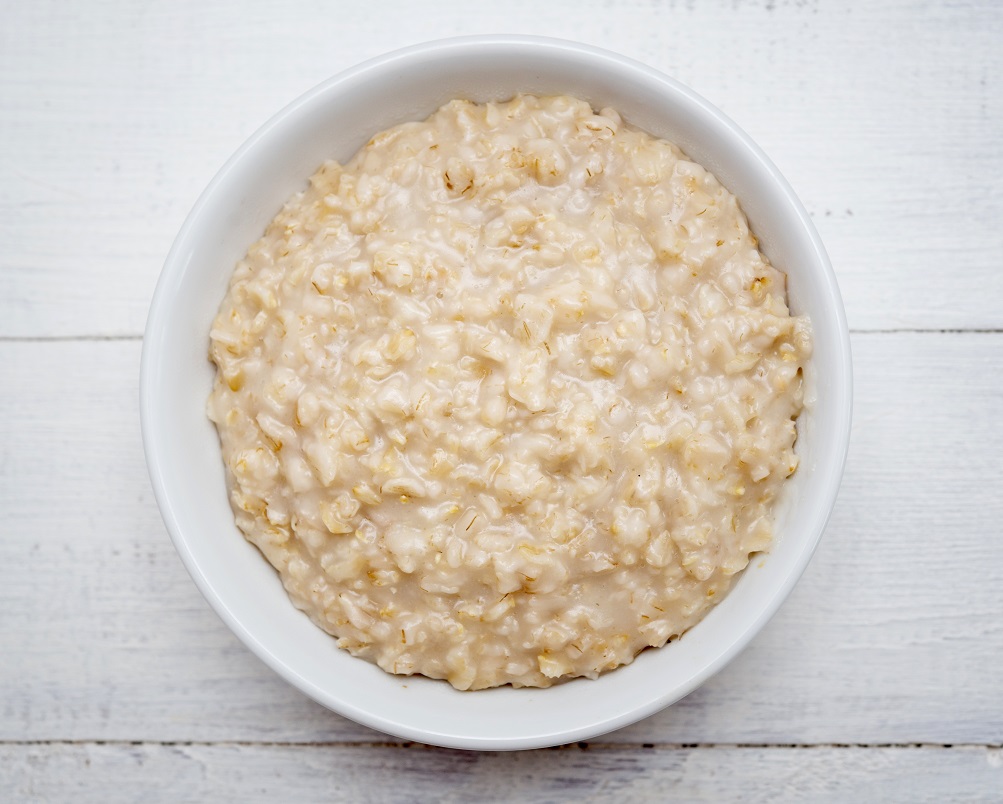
(508,398)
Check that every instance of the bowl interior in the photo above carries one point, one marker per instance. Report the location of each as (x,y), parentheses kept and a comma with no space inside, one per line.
(333,121)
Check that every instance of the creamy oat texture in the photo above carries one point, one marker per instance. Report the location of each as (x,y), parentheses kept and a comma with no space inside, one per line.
(508,398)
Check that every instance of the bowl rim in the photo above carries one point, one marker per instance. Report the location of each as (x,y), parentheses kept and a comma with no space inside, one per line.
(164,297)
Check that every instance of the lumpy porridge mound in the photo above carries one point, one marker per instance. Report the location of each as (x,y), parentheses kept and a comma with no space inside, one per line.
(508,398)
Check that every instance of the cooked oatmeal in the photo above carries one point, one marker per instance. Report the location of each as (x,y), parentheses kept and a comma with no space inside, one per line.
(508,398)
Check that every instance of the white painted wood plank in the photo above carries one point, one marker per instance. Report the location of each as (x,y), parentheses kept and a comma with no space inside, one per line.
(181,773)
(885,117)
(893,636)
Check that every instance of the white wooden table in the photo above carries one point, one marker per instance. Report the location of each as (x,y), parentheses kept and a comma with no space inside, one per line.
(881,678)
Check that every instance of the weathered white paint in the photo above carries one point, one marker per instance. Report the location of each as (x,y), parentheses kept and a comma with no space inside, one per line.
(386,774)
(893,636)
(885,116)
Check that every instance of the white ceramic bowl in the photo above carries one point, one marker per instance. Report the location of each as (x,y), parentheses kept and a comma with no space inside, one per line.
(182,447)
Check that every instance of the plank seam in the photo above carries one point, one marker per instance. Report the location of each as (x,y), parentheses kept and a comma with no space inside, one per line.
(117,338)
(929,331)
(66,338)
(581,746)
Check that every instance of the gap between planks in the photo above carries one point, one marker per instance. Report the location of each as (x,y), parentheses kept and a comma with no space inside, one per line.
(580,746)
(67,338)
(119,338)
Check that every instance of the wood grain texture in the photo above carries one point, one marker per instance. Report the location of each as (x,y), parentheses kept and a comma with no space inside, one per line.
(117,681)
(884,116)
(127,773)
(894,634)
